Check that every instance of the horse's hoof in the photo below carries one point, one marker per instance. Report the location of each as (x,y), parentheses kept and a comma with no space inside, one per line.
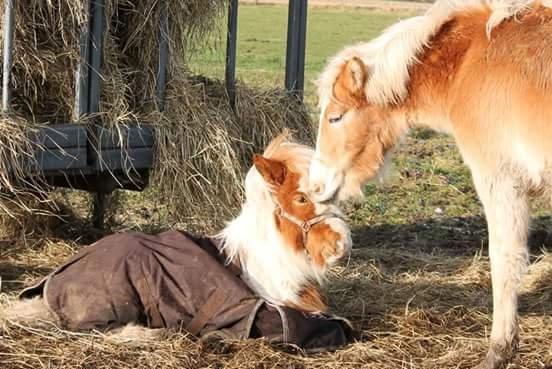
(491,361)
(498,357)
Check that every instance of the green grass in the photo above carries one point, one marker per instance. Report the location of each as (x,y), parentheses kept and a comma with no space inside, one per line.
(262,42)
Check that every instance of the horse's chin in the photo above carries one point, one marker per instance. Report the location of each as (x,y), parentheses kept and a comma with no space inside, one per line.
(351,188)
(349,193)
(341,191)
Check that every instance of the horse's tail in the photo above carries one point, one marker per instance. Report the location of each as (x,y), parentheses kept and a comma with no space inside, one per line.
(27,312)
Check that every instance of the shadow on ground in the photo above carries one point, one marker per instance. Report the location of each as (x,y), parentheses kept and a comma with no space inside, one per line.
(438,267)
(453,235)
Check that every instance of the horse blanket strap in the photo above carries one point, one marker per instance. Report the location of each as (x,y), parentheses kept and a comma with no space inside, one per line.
(207,311)
(152,311)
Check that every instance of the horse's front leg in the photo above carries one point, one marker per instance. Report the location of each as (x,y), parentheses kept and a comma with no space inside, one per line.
(506,208)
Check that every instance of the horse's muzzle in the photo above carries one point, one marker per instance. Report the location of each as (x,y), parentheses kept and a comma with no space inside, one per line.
(324,182)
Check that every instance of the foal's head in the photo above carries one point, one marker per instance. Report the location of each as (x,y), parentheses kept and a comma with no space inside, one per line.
(310,229)
(284,240)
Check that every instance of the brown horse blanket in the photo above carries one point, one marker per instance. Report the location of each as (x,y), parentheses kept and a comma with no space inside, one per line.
(178,281)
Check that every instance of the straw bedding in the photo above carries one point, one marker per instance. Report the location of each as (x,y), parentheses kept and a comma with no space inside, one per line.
(415,308)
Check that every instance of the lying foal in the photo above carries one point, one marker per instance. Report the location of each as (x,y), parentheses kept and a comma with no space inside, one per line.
(280,245)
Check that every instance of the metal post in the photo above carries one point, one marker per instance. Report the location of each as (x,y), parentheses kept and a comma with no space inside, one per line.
(8,53)
(96,39)
(81,74)
(94,94)
(301,48)
(295,48)
(161,81)
(231,42)
(98,210)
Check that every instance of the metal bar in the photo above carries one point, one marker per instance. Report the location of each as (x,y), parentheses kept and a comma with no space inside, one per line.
(231,43)
(295,48)
(161,81)
(96,39)
(94,94)
(300,84)
(291,45)
(9,18)
(94,75)
(81,73)
(98,209)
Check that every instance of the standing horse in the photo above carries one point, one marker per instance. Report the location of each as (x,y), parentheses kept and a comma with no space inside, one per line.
(282,243)
(480,70)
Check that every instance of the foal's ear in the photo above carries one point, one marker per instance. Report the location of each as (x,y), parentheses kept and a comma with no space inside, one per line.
(352,79)
(272,171)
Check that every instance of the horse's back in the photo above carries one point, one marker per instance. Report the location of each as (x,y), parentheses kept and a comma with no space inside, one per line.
(500,93)
(524,43)
(160,281)
(515,56)
(502,96)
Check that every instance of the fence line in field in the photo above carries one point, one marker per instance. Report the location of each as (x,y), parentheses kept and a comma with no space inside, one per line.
(368,4)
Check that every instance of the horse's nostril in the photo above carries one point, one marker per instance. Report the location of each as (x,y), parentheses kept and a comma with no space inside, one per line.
(318,189)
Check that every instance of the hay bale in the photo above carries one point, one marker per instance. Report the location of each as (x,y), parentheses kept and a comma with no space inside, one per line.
(203,146)
(46,52)
(131,51)
(20,196)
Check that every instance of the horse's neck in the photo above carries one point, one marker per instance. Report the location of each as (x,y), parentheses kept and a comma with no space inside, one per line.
(269,266)
(434,82)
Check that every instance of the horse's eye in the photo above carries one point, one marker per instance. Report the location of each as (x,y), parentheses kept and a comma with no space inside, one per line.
(335,119)
(301,199)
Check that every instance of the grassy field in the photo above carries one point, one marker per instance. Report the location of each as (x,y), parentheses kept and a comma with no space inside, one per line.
(417,287)
(262,42)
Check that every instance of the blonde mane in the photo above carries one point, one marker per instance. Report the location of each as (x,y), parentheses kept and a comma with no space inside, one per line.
(390,56)
(295,156)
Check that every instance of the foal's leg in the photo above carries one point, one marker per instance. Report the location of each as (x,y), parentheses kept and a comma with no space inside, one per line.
(506,208)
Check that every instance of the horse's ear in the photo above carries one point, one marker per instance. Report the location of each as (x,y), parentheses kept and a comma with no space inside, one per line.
(272,171)
(352,78)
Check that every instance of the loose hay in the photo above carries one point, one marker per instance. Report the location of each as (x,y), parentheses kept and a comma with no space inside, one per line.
(204,147)
(430,319)
(20,196)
